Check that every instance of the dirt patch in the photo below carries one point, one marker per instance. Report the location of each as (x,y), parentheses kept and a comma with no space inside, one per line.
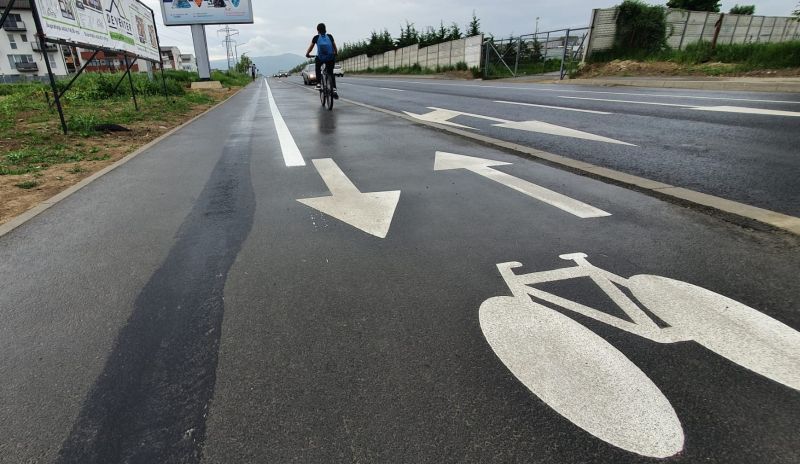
(629,68)
(101,151)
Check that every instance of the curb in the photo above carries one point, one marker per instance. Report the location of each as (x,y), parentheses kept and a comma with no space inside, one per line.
(21,219)
(679,195)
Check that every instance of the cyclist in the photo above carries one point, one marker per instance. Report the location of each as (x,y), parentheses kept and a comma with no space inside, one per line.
(326,53)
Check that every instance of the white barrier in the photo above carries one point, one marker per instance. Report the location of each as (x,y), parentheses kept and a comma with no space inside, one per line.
(444,54)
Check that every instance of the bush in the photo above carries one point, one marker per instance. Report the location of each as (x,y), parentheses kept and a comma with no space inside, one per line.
(641,29)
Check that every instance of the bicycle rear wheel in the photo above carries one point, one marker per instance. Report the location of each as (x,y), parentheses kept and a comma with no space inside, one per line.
(581,376)
(329,92)
(322,96)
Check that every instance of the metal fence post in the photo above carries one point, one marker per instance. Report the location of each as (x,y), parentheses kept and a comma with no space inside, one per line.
(564,55)
(516,62)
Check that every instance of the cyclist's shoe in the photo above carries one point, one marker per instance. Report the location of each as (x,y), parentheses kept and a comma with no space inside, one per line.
(335,94)
(318,87)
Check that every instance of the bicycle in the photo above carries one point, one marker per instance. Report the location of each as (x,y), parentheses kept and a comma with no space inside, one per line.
(595,386)
(326,87)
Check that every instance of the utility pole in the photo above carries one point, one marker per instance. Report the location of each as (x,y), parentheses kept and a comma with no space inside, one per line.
(229,44)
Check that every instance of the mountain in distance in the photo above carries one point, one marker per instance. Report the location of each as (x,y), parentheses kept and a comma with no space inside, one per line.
(267,65)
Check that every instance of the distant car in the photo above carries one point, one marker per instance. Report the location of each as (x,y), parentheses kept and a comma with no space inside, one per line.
(338,71)
(309,75)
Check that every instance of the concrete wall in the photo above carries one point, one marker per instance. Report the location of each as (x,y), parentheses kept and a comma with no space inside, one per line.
(687,27)
(444,54)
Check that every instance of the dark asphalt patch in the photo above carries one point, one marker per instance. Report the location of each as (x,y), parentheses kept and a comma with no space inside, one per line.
(150,403)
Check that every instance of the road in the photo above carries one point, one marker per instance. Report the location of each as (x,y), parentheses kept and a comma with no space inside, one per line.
(735,145)
(279,283)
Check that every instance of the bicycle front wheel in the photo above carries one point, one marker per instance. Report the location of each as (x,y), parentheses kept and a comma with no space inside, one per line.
(731,329)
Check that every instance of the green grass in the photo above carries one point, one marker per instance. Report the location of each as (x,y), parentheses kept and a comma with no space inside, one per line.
(27,185)
(745,57)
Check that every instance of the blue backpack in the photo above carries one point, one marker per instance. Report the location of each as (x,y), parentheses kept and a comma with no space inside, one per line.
(324,48)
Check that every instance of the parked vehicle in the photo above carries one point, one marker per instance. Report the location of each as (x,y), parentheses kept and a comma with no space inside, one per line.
(338,71)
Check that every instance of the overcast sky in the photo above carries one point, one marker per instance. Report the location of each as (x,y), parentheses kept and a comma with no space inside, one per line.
(287,26)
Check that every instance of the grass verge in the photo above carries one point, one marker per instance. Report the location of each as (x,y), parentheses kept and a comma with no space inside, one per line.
(37,160)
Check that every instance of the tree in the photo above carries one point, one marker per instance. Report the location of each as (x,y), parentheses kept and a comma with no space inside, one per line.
(695,5)
(455,32)
(474,27)
(743,9)
(244,64)
(797,11)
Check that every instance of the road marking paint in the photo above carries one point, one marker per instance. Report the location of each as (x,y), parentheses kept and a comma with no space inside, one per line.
(371,212)
(439,116)
(393,90)
(743,110)
(719,109)
(442,116)
(551,107)
(626,101)
(561,90)
(291,154)
(483,167)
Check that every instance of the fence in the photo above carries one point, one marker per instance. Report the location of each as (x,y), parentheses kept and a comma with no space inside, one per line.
(538,53)
(444,54)
(687,27)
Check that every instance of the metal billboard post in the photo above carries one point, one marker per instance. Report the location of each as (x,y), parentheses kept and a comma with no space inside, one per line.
(41,37)
(6,12)
(201,51)
(160,58)
(130,80)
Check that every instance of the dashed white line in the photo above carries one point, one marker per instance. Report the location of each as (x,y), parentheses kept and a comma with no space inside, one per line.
(393,90)
(626,101)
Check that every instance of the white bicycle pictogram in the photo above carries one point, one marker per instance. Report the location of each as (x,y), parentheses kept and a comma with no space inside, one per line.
(591,383)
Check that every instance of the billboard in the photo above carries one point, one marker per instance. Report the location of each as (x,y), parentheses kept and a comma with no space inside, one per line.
(188,12)
(125,25)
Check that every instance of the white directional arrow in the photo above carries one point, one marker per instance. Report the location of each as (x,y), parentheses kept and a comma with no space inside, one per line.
(443,116)
(445,161)
(371,212)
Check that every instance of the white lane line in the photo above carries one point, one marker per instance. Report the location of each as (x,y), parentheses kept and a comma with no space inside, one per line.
(551,107)
(291,154)
(626,101)
(393,90)
(743,110)
(559,90)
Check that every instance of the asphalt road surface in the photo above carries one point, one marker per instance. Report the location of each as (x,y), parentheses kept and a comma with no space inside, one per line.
(280,283)
(736,145)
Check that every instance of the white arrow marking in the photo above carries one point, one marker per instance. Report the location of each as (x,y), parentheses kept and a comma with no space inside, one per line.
(719,109)
(443,116)
(371,212)
(552,107)
(440,116)
(445,161)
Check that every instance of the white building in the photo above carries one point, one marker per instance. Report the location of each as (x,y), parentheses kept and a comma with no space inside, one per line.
(171,56)
(188,62)
(22,56)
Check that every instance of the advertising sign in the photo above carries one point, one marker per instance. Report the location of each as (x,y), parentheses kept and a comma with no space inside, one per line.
(188,12)
(125,25)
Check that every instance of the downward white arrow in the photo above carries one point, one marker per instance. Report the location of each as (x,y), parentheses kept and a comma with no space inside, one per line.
(445,161)
(371,212)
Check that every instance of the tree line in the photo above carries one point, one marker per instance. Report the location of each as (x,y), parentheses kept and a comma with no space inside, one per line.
(381,42)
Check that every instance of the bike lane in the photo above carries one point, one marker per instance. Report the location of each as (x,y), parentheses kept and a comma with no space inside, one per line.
(341,345)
